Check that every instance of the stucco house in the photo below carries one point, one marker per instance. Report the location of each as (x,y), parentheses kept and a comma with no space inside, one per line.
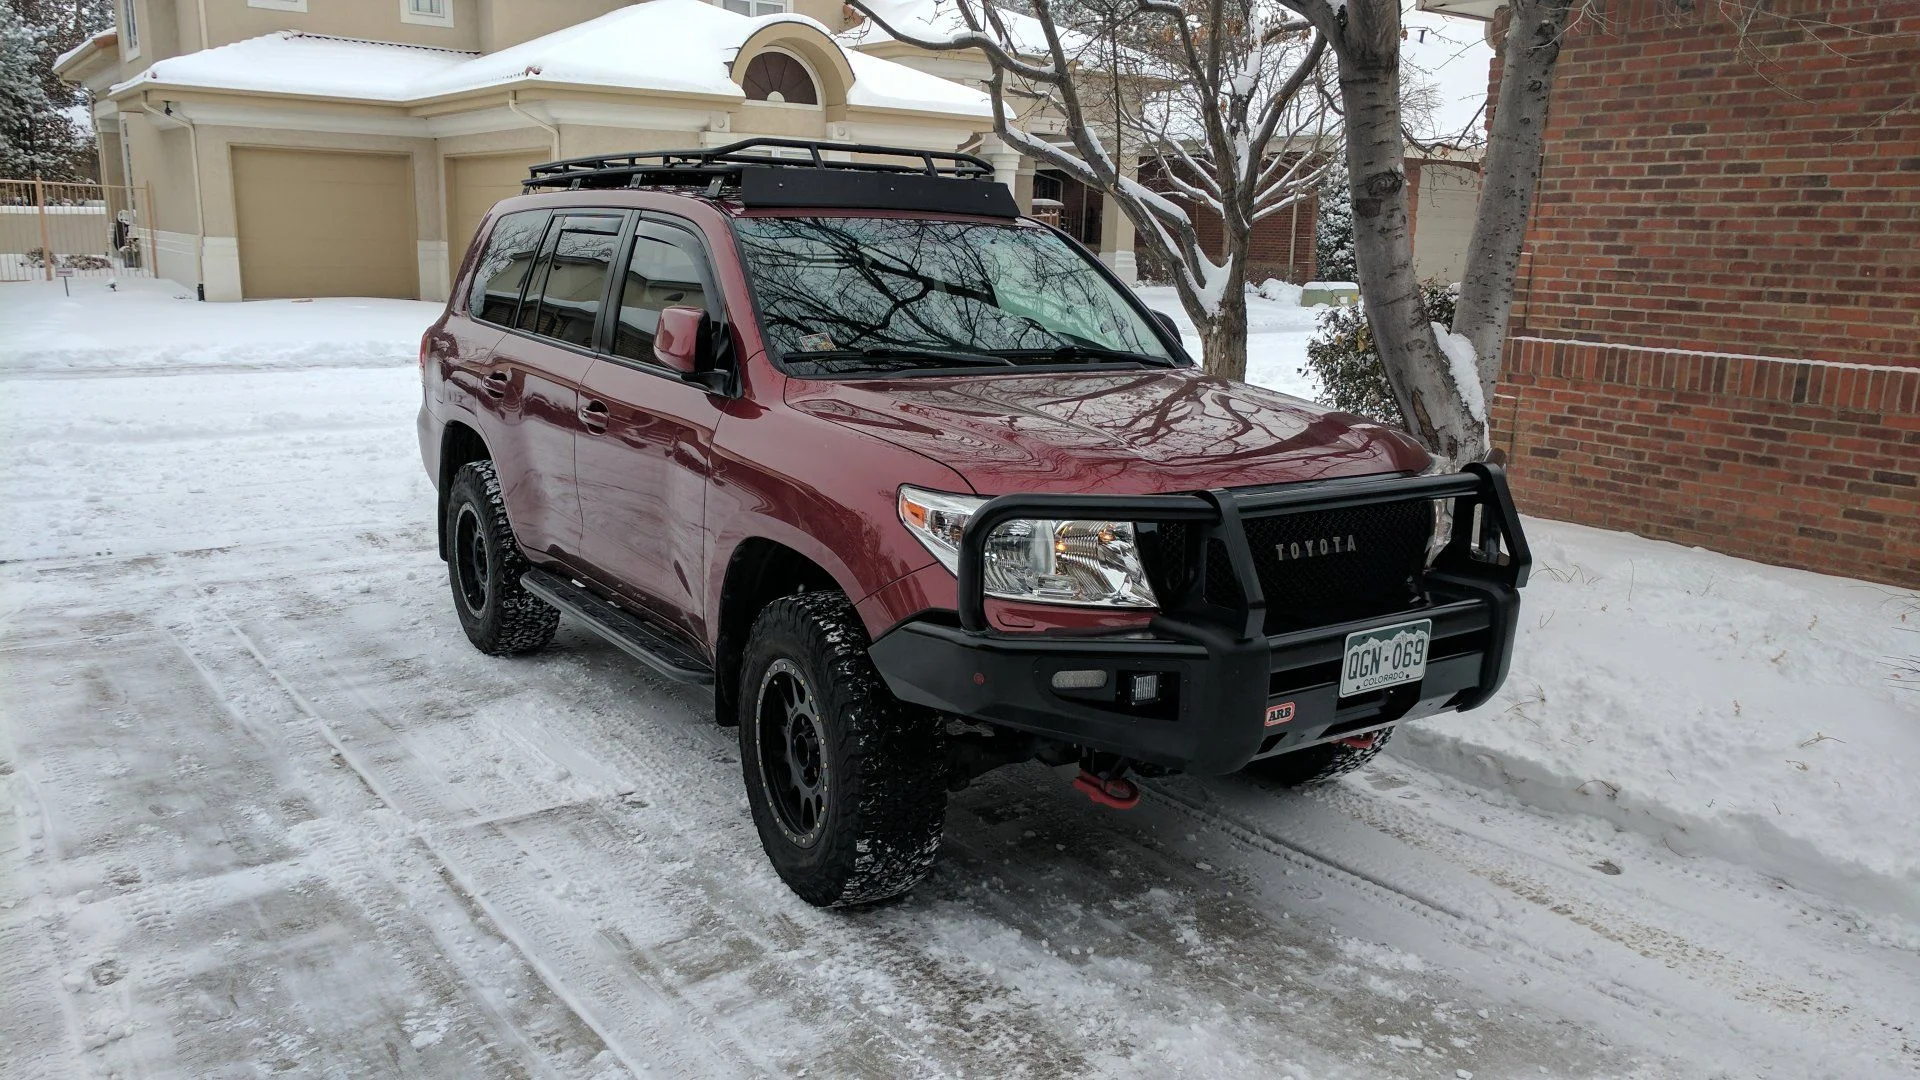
(317,147)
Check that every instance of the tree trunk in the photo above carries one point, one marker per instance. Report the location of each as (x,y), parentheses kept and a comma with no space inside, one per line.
(1224,337)
(1434,404)
(1223,342)
(1508,178)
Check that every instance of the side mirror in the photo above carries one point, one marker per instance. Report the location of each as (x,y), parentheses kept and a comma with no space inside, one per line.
(676,342)
(1166,323)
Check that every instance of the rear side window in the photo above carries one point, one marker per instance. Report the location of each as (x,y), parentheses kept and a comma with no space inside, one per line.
(571,280)
(502,270)
(659,275)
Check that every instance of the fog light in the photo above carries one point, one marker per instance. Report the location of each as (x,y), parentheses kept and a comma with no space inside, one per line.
(1144,689)
(1080,679)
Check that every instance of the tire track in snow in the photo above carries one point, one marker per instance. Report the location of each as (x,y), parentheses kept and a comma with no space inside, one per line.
(1543,931)
(702,897)
(618,1018)
(344,844)
(37,1045)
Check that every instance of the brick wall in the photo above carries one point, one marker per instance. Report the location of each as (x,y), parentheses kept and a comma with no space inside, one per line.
(1796,463)
(1717,334)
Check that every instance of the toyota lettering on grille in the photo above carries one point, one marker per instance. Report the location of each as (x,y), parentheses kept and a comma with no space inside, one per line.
(1312,549)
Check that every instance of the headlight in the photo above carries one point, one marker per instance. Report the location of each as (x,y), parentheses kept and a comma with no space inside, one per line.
(1040,561)
(1442,518)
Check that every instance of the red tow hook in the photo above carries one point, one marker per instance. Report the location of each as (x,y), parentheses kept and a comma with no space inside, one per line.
(1117,792)
(1361,742)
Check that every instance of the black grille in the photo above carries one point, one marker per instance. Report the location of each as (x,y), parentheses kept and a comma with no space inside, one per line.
(1315,568)
(1333,565)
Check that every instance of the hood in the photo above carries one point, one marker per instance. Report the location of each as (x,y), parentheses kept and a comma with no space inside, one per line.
(1124,433)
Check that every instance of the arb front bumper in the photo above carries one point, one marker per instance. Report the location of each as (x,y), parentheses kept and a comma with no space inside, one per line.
(1206,688)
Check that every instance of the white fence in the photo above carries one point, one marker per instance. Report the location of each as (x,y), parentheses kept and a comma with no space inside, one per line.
(50,230)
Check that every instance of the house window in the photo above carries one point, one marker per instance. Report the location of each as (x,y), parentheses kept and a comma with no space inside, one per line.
(130,26)
(427,12)
(755,7)
(777,77)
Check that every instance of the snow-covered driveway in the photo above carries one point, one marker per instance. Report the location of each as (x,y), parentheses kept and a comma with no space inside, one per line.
(265,811)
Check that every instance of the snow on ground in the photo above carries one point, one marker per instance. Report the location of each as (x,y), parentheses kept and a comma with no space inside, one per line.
(262,808)
(144,323)
(1720,706)
(1278,330)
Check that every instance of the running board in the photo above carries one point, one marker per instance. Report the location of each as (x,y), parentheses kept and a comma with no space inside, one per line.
(633,634)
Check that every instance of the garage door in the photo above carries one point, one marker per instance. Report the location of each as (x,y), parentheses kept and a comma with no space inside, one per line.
(318,223)
(474,184)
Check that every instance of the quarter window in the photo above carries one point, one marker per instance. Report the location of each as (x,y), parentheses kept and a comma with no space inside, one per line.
(659,275)
(777,77)
(502,270)
(571,279)
(427,12)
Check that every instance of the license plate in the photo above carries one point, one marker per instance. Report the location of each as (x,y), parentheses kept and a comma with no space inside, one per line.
(1389,656)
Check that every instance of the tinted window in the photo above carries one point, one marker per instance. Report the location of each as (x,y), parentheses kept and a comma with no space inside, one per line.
(571,279)
(503,269)
(660,275)
(847,283)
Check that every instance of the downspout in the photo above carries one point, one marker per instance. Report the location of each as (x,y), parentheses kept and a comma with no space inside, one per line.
(199,197)
(201,6)
(513,106)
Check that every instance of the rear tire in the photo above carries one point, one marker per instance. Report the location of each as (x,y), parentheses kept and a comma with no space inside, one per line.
(1316,765)
(846,782)
(484,565)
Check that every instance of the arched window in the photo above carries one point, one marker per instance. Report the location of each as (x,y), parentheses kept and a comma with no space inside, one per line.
(775,76)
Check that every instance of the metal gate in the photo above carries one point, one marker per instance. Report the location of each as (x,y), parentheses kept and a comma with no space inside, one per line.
(50,230)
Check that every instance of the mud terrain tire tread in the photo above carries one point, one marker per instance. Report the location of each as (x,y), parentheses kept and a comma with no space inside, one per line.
(887,760)
(514,620)
(1316,765)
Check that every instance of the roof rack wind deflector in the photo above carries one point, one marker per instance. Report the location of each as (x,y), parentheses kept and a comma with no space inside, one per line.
(887,177)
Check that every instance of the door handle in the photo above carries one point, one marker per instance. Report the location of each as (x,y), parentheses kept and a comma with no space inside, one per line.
(496,383)
(593,415)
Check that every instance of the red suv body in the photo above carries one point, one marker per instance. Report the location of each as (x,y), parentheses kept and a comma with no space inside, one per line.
(686,468)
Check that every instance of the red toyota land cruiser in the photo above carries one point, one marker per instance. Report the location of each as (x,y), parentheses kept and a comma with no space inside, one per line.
(922,489)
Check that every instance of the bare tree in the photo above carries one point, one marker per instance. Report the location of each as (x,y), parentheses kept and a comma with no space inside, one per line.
(1442,377)
(1222,93)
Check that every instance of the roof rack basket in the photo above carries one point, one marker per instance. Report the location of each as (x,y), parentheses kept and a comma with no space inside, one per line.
(721,166)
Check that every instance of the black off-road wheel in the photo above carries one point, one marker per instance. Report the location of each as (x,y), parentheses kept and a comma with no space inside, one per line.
(484,565)
(1317,765)
(846,782)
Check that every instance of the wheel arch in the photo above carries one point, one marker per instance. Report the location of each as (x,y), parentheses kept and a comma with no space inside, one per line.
(759,572)
(459,444)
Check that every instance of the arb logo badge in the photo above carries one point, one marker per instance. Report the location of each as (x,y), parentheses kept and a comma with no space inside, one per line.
(1279,714)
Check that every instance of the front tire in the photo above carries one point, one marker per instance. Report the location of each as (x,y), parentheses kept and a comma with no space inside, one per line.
(1317,765)
(484,565)
(845,781)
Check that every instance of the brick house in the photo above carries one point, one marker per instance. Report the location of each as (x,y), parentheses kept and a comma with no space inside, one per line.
(1716,339)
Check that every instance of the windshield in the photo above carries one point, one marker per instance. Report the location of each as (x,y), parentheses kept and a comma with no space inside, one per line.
(839,294)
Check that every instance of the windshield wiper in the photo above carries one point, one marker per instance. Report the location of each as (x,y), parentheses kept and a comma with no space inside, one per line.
(881,354)
(1070,353)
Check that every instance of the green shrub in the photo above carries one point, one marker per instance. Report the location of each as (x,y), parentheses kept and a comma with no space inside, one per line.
(1343,357)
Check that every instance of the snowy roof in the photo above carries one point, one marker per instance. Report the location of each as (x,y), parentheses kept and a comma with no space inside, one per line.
(672,46)
(930,19)
(1447,66)
(99,40)
(290,62)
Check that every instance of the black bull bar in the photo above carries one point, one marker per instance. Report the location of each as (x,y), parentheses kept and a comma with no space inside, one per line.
(1224,677)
